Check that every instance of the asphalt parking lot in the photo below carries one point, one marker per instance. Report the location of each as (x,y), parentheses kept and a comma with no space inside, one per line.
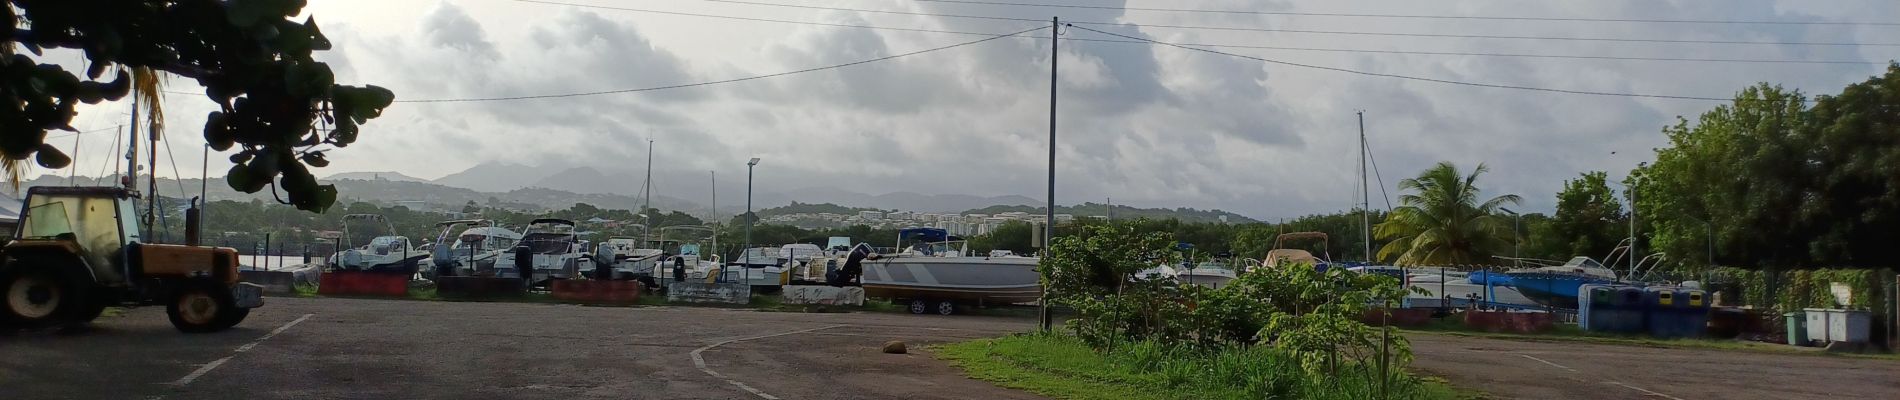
(379,349)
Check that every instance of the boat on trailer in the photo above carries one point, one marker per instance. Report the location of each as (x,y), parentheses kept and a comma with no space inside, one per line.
(464,246)
(556,249)
(936,274)
(385,251)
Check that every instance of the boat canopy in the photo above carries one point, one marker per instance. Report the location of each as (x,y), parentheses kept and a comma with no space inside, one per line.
(552,221)
(490,231)
(927,234)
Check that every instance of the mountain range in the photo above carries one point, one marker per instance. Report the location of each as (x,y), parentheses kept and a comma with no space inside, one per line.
(585,181)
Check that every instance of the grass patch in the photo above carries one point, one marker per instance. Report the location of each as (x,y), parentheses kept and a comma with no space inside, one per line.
(1063,367)
(304,290)
(1575,334)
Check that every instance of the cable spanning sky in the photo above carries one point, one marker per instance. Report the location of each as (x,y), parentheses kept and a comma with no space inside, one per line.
(1246,106)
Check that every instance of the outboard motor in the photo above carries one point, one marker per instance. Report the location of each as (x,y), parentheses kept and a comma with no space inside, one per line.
(524,263)
(604,270)
(679,269)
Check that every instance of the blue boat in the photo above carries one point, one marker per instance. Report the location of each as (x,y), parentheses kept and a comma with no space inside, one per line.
(1496,278)
(1556,286)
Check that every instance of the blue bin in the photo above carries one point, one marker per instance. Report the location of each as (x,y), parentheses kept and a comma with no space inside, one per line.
(1594,307)
(1631,310)
(1695,312)
(1671,315)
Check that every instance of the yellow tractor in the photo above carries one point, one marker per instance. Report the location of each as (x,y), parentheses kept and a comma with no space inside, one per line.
(77,251)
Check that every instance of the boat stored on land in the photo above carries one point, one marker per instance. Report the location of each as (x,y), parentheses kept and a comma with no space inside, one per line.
(934,274)
(557,253)
(383,252)
(464,246)
(1556,286)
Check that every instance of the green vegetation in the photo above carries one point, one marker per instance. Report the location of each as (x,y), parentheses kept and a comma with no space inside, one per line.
(809,208)
(1586,211)
(1287,331)
(1087,209)
(1781,179)
(1065,367)
(1442,222)
(252,60)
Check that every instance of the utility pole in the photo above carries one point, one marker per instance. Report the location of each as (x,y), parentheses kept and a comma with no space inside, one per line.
(1108,208)
(1365,189)
(1049,228)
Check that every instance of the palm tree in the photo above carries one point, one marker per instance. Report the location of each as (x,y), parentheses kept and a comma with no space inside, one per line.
(1442,222)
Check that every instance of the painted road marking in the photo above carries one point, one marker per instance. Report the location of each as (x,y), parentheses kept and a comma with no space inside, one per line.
(1547,362)
(194,375)
(1645,391)
(700,362)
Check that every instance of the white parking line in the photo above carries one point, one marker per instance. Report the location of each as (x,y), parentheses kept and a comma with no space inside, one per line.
(194,375)
(1645,391)
(1547,362)
(700,362)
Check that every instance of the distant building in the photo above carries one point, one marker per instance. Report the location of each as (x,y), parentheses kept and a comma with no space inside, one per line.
(869,215)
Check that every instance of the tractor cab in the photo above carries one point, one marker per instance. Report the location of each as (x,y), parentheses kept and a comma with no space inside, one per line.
(95,223)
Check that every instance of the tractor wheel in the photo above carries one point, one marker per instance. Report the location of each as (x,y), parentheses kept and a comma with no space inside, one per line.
(203,308)
(946,308)
(36,297)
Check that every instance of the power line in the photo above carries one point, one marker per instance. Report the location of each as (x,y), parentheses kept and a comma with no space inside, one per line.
(687,14)
(828,67)
(1379,74)
(1320,32)
(1512,55)
(1417,16)
(1318,49)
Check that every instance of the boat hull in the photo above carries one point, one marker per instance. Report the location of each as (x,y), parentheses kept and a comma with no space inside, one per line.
(1552,289)
(974,280)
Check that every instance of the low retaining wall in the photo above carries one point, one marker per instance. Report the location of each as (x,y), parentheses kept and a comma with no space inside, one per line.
(597,292)
(1504,321)
(701,292)
(1401,317)
(274,282)
(357,283)
(823,295)
(477,287)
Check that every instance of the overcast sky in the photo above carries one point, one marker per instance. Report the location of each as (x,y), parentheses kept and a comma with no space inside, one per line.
(1146,125)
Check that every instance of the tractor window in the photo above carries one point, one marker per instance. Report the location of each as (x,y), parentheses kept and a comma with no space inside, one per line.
(46,221)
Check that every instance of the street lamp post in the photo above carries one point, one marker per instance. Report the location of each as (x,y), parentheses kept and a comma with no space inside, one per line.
(748,211)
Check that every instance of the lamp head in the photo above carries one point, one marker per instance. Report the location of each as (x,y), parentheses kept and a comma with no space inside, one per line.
(755,161)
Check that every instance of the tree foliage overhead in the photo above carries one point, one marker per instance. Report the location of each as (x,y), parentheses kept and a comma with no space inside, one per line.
(250,57)
(1781,183)
(1443,222)
(1587,215)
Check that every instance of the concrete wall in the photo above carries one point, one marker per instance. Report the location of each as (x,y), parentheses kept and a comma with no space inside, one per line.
(701,292)
(825,295)
(274,282)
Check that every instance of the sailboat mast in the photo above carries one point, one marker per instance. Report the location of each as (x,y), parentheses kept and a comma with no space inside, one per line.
(1365,189)
(648,207)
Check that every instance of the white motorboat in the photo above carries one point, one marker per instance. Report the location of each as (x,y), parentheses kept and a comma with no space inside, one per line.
(383,252)
(758,267)
(556,252)
(805,261)
(629,260)
(935,274)
(689,255)
(464,246)
(1212,274)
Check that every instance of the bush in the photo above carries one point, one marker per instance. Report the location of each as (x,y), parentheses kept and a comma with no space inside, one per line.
(1308,313)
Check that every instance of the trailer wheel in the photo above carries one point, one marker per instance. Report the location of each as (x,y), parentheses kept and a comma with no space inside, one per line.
(946,308)
(203,308)
(36,297)
(919,306)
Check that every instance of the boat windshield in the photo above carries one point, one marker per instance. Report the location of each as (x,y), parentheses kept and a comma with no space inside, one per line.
(1213,265)
(938,249)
